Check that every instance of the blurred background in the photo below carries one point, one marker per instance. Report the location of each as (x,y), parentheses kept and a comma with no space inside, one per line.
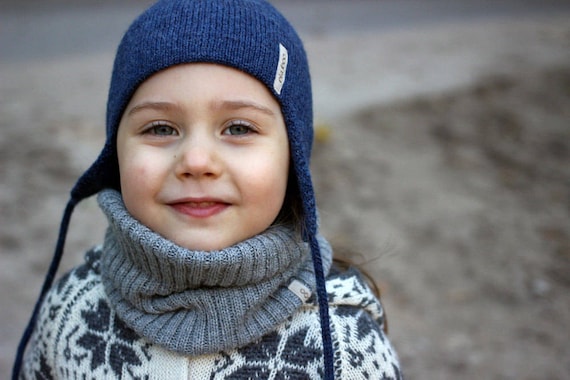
(442,164)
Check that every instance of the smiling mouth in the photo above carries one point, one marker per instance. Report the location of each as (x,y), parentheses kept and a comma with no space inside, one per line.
(200,209)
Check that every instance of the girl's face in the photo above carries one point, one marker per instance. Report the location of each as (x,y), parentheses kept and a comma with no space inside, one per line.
(203,156)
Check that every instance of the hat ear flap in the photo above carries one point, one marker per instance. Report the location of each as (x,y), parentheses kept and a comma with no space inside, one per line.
(102,174)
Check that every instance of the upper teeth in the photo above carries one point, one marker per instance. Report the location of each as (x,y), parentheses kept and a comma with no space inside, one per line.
(201,204)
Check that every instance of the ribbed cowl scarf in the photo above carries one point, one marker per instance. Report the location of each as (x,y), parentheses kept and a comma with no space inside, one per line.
(196,302)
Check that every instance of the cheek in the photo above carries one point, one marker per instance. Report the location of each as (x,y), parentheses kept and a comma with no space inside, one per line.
(136,177)
(267,184)
(133,178)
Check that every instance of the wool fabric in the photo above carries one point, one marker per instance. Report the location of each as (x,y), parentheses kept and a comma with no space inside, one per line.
(195,302)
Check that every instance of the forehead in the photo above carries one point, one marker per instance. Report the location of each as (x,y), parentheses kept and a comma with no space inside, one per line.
(207,79)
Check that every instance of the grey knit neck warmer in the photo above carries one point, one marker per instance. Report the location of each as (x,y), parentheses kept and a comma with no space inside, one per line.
(196,302)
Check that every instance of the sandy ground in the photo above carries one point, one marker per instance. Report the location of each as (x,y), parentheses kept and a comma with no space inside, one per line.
(441,159)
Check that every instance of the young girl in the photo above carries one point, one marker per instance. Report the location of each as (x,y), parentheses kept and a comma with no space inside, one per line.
(212,265)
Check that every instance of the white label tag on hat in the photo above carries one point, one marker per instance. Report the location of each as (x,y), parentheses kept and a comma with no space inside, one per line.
(281,69)
(300,290)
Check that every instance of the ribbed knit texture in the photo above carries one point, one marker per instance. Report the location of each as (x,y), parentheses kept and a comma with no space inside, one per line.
(195,302)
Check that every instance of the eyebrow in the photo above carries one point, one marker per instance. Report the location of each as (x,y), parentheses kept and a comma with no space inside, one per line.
(240,104)
(160,106)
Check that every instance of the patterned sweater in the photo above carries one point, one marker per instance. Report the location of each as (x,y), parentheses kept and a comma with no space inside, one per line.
(79,336)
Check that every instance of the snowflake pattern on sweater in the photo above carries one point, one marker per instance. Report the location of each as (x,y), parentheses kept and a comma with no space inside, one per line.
(79,336)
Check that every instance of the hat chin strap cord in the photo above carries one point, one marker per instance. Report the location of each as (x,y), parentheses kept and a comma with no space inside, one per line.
(322,299)
(48,282)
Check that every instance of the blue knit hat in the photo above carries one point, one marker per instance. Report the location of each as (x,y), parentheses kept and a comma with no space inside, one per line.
(249,35)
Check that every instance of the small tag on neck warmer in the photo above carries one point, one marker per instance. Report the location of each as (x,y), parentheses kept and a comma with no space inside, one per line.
(300,290)
(281,69)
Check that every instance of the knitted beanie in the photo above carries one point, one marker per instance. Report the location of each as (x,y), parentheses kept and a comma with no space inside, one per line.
(249,35)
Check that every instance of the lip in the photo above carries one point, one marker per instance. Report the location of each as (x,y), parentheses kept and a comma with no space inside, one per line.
(199,207)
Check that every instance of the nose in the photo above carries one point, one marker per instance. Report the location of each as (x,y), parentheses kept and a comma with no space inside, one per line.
(198,157)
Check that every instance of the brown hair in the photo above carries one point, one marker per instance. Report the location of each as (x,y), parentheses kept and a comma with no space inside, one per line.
(292,214)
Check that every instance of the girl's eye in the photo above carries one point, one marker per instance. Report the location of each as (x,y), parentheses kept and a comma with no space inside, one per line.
(161,130)
(238,129)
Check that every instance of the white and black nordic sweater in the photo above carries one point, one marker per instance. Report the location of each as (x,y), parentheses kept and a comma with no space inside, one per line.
(80,335)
